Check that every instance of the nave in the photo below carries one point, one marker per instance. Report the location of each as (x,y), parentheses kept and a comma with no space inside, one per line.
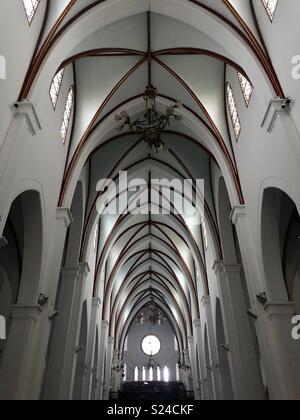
(149,200)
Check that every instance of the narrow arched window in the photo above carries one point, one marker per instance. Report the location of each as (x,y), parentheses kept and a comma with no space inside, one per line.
(67,115)
(166,374)
(205,235)
(151,374)
(30,7)
(56,87)
(246,87)
(270,6)
(144,374)
(236,124)
(95,246)
(136,374)
(177,373)
(158,374)
(176,348)
(126,339)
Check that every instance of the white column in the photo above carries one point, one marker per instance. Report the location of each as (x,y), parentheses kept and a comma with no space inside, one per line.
(217,383)
(196,380)
(286,367)
(119,377)
(116,372)
(90,350)
(63,221)
(246,376)
(108,368)
(202,366)
(61,350)
(250,263)
(101,365)
(69,363)
(188,373)
(18,360)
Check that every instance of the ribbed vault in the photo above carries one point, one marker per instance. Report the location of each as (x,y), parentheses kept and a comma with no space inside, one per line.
(115,49)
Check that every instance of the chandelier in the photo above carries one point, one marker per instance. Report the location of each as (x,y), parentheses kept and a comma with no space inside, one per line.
(152,364)
(152,315)
(153,123)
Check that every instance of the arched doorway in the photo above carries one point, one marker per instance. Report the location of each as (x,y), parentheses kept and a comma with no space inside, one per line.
(281,246)
(280,253)
(20,266)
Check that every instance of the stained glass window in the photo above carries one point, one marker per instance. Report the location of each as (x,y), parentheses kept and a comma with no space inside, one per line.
(270,6)
(56,86)
(246,87)
(205,236)
(67,116)
(30,8)
(236,124)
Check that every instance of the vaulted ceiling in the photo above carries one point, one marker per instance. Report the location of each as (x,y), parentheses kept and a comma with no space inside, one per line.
(183,47)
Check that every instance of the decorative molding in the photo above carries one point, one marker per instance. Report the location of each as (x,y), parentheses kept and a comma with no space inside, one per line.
(96,302)
(232,268)
(236,213)
(105,324)
(218,266)
(65,215)
(280,309)
(84,269)
(26,110)
(26,312)
(197,323)
(205,300)
(277,106)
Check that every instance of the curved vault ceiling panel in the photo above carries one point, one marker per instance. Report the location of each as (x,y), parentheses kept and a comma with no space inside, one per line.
(159,253)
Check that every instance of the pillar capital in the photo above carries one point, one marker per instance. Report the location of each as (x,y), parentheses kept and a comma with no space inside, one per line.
(280,309)
(197,323)
(105,324)
(26,110)
(96,302)
(218,266)
(237,213)
(277,106)
(26,312)
(190,340)
(84,269)
(232,268)
(111,341)
(205,300)
(64,215)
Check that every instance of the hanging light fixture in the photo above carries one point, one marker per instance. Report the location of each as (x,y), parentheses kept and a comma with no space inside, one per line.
(152,315)
(153,123)
(152,364)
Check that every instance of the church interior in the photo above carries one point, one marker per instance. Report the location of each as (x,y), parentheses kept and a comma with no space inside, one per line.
(118,119)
